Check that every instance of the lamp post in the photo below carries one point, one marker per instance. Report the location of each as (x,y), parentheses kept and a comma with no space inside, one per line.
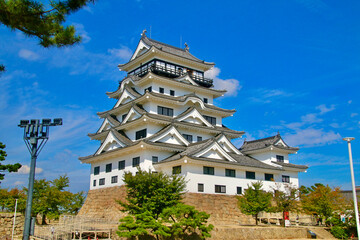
(348,140)
(36,135)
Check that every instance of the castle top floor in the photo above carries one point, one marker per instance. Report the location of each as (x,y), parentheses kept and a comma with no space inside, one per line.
(166,60)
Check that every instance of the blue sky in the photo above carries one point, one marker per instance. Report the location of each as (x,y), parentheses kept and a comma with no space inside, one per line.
(291,66)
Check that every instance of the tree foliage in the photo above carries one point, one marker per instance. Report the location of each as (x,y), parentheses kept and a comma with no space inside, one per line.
(286,200)
(254,200)
(42,20)
(321,200)
(155,210)
(8,167)
(50,199)
(8,199)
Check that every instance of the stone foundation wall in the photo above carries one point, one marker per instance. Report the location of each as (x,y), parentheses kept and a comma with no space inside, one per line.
(6,224)
(102,203)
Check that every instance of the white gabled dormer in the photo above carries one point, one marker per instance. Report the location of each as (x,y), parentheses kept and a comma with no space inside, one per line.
(215,151)
(170,135)
(227,145)
(125,97)
(111,142)
(193,116)
(106,125)
(131,115)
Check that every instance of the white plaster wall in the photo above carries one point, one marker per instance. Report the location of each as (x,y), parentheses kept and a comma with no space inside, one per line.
(151,129)
(270,156)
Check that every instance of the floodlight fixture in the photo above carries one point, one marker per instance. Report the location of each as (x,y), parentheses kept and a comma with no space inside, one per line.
(36,134)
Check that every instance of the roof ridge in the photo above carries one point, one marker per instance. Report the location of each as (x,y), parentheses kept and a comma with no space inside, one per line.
(165,44)
(261,139)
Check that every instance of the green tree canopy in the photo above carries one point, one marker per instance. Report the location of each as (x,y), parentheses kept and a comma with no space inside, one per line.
(155,210)
(254,200)
(8,167)
(321,200)
(286,200)
(51,199)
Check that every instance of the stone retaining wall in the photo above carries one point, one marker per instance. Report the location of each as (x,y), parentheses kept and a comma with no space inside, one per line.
(6,224)
(102,203)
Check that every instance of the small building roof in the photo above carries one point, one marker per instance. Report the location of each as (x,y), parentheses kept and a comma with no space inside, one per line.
(264,143)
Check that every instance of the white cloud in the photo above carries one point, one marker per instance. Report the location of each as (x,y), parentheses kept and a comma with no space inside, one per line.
(28,55)
(232,86)
(80,30)
(25,169)
(124,53)
(310,137)
(323,109)
(354,114)
(262,95)
(18,183)
(310,118)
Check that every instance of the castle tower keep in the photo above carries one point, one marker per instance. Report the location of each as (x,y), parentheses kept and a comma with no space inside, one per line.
(165,119)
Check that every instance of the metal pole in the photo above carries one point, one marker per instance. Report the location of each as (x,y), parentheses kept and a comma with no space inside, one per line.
(353,185)
(27,224)
(12,235)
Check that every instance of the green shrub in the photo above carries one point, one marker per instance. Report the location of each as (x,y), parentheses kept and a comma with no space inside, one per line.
(339,232)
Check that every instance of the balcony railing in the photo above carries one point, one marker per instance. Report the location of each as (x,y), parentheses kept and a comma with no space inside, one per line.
(173,73)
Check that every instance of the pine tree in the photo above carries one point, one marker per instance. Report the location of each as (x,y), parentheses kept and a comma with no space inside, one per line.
(8,167)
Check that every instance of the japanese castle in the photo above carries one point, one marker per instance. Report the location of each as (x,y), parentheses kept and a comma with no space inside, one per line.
(164,119)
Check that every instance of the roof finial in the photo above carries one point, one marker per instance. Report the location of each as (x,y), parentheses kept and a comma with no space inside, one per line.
(186,47)
(143,33)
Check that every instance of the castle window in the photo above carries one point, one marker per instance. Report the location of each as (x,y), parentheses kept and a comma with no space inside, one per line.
(250,175)
(108,167)
(101,181)
(140,134)
(279,158)
(161,90)
(199,138)
(155,159)
(188,137)
(136,161)
(114,179)
(172,93)
(239,190)
(165,111)
(230,172)
(176,170)
(96,170)
(94,183)
(121,165)
(211,120)
(200,187)
(209,170)
(220,189)
(285,179)
(123,117)
(269,177)
(205,100)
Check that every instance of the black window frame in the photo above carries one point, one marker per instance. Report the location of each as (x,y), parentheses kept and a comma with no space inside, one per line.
(149,89)
(280,158)
(155,159)
(200,187)
(97,170)
(250,175)
(269,177)
(123,117)
(176,169)
(136,161)
(165,111)
(140,134)
(285,179)
(121,165)
(199,138)
(220,188)
(161,90)
(172,92)
(188,137)
(108,167)
(211,120)
(230,172)
(101,181)
(94,183)
(206,100)
(239,190)
(114,179)
(208,170)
